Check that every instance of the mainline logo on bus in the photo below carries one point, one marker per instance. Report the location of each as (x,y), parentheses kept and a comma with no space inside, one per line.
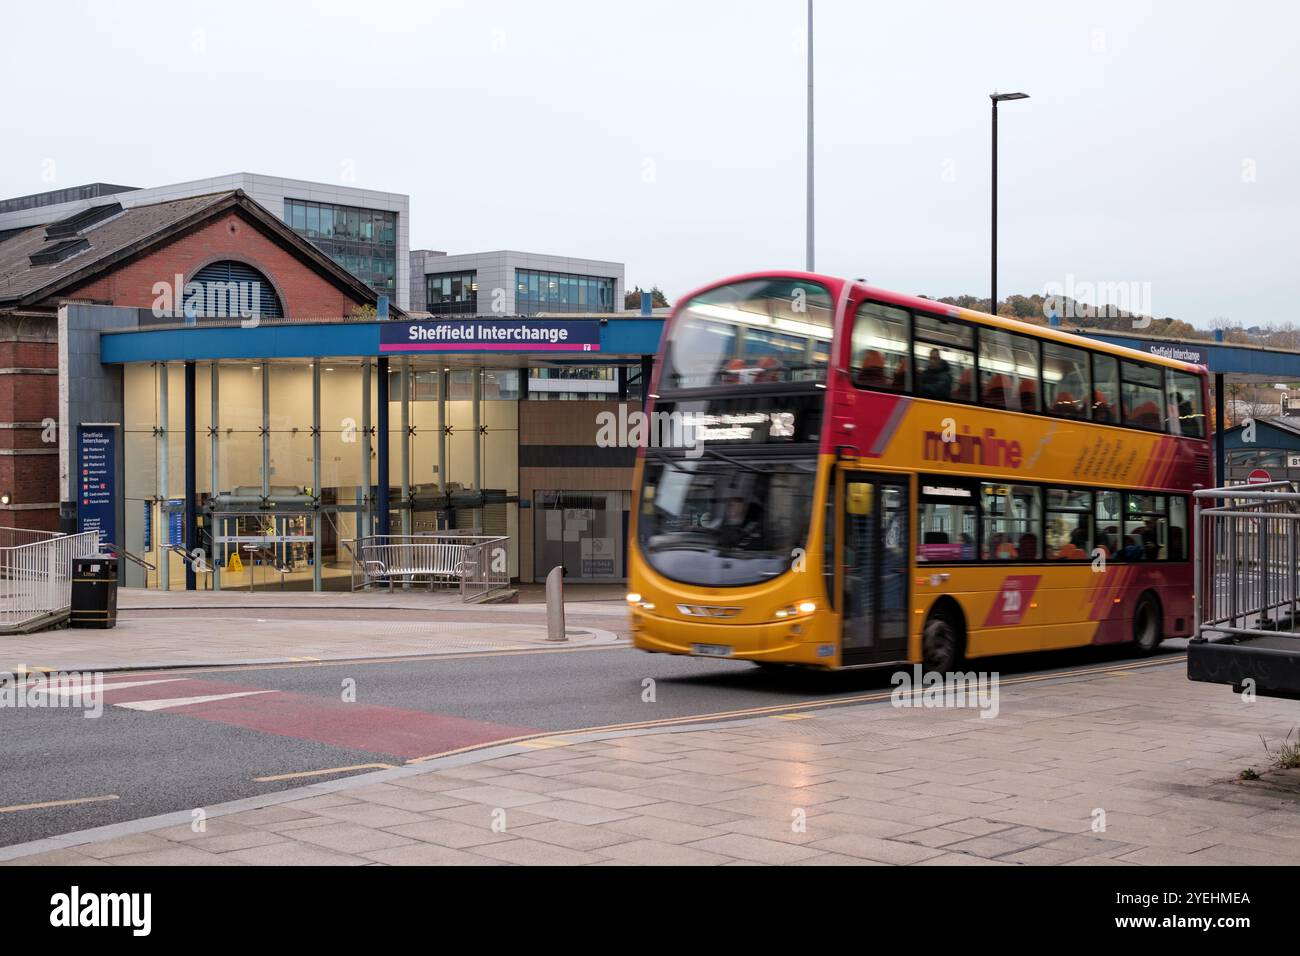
(985,449)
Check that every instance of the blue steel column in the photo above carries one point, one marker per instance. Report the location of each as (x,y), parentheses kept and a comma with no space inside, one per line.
(382,492)
(191,468)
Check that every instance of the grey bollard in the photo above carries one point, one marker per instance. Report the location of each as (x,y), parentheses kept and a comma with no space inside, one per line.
(555,605)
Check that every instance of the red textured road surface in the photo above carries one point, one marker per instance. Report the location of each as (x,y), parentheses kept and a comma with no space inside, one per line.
(395,731)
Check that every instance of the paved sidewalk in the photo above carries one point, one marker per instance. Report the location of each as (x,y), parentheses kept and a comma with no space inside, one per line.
(1127,766)
(178,629)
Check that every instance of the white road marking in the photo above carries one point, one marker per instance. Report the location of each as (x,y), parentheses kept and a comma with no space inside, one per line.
(68,688)
(170,702)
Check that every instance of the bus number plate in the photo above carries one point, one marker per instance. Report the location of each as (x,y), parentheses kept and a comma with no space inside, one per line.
(711,650)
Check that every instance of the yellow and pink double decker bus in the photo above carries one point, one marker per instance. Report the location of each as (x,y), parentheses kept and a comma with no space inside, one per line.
(872,479)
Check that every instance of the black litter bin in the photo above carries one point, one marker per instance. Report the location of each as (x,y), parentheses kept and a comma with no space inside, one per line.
(94,592)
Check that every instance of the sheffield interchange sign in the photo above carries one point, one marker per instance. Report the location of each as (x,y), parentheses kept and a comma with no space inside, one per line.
(490,335)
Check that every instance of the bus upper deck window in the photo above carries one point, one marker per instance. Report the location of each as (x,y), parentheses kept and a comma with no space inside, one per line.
(1185,408)
(1066,380)
(1105,388)
(880,348)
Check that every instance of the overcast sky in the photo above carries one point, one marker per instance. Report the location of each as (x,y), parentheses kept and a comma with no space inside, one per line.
(1161,144)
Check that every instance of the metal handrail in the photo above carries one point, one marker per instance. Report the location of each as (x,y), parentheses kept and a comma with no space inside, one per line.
(133,558)
(1247,577)
(36,577)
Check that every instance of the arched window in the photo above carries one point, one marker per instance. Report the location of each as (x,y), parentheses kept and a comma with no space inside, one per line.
(231,290)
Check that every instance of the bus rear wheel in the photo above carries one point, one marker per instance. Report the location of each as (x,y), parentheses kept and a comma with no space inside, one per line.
(941,642)
(1146,625)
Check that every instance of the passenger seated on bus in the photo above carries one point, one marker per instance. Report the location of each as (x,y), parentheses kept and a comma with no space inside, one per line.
(1028,550)
(871,374)
(1149,536)
(1110,541)
(1001,548)
(967,546)
(935,380)
(1132,550)
(900,374)
(995,392)
(769,370)
(730,375)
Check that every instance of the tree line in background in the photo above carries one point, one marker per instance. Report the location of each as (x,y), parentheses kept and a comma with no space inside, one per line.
(632,298)
(1034,309)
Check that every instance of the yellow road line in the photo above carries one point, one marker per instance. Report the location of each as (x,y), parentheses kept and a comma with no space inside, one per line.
(58,803)
(775,709)
(322,773)
(792,716)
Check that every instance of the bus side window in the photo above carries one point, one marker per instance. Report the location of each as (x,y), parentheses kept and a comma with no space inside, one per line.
(1008,371)
(1186,414)
(1143,401)
(944,359)
(880,347)
(1066,380)
(1105,388)
(1109,517)
(1068,528)
(1177,550)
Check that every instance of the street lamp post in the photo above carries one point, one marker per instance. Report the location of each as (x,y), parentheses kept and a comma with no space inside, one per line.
(997,98)
(809,259)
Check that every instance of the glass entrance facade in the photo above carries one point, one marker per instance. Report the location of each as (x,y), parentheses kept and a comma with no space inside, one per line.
(287,464)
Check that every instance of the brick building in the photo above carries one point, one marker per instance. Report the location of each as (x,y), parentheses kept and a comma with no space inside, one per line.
(110,255)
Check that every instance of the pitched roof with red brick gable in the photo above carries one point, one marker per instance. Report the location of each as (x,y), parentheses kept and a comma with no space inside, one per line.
(40,264)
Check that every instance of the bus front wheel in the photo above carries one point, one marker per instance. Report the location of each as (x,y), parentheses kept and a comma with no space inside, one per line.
(1146,625)
(941,642)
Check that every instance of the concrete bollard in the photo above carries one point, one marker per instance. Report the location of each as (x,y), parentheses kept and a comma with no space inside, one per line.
(555,605)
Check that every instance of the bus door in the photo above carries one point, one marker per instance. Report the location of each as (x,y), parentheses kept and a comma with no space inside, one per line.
(874,558)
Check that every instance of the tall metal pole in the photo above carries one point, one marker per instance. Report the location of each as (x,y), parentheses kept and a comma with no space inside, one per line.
(993,282)
(164,482)
(810,257)
(191,492)
(382,413)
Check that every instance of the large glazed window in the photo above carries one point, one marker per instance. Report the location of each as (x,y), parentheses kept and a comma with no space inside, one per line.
(724,522)
(762,330)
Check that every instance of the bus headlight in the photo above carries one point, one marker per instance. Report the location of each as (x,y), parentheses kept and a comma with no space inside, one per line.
(793,610)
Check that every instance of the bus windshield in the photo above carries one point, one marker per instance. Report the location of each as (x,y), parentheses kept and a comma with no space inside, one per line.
(719,521)
(756,331)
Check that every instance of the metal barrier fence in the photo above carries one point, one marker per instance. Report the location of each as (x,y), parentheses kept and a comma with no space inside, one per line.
(36,576)
(484,568)
(474,563)
(1246,560)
